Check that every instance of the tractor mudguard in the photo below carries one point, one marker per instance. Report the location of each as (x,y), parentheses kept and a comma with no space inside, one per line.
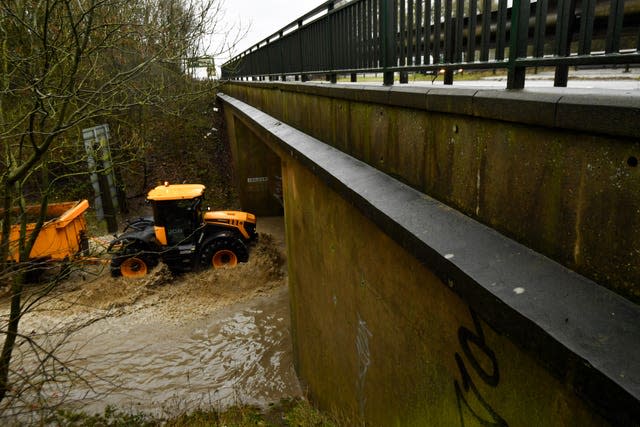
(212,233)
(145,238)
(139,224)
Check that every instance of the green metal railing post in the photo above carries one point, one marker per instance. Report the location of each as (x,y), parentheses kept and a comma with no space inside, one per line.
(565,26)
(518,43)
(332,76)
(388,39)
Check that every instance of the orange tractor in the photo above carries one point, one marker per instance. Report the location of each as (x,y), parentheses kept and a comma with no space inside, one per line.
(181,235)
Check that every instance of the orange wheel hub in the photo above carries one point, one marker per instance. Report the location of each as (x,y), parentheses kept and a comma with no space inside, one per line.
(133,267)
(224,258)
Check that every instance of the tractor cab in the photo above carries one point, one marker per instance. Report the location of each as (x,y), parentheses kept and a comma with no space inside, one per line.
(176,212)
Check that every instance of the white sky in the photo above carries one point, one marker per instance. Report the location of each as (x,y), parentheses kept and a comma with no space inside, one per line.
(265,16)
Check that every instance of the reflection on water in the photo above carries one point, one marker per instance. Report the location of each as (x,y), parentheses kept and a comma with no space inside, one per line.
(239,354)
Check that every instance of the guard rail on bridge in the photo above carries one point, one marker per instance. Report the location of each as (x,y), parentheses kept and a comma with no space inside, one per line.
(389,36)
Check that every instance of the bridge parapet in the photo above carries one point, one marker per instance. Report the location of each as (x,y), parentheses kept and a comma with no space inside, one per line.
(406,311)
(558,172)
(429,36)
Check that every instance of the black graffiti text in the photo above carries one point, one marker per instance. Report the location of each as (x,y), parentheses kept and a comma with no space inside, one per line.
(469,400)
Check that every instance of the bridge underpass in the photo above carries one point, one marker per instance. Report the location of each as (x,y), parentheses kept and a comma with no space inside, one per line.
(455,256)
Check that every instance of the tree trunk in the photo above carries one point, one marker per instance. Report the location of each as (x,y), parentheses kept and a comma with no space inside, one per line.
(11,333)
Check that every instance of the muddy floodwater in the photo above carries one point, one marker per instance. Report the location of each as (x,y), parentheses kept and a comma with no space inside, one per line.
(237,354)
(167,344)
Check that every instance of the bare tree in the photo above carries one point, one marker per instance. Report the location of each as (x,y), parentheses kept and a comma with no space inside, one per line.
(69,64)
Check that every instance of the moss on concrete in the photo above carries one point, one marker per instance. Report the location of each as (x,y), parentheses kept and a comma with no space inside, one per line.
(380,340)
(573,196)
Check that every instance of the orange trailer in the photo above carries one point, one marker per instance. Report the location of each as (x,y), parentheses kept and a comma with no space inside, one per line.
(62,237)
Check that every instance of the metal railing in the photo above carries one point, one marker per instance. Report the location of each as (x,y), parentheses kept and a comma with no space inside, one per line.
(401,36)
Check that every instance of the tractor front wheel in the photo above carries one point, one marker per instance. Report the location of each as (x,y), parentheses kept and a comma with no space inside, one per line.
(223,252)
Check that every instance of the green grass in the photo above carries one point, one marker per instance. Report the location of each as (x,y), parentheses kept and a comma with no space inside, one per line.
(467,75)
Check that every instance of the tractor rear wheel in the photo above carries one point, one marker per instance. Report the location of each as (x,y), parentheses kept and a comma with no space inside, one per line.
(133,267)
(131,262)
(223,252)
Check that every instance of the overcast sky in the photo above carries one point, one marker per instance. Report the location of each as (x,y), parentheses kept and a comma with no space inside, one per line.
(265,17)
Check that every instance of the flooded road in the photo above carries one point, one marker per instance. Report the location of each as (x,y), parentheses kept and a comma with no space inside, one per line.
(237,354)
(164,344)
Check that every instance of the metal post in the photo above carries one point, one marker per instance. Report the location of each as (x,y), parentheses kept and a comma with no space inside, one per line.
(449,42)
(388,39)
(96,142)
(332,77)
(298,35)
(566,23)
(518,46)
(448,76)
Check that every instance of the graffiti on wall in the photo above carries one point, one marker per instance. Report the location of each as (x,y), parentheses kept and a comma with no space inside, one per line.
(364,360)
(477,362)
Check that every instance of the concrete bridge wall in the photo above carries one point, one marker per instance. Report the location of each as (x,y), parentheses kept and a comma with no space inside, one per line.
(556,171)
(406,312)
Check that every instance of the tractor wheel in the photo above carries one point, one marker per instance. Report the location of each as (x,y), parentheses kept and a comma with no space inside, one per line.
(223,252)
(132,263)
(133,267)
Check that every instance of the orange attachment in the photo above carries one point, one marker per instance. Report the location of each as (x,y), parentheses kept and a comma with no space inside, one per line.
(60,237)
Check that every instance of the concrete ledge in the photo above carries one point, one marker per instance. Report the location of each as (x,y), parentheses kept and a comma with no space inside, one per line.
(614,115)
(585,335)
(603,113)
(533,109)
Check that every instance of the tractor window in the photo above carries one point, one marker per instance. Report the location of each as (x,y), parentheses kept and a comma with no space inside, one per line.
(180,218)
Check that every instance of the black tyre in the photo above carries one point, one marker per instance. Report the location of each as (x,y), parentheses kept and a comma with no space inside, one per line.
(223,252)
(132,262)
